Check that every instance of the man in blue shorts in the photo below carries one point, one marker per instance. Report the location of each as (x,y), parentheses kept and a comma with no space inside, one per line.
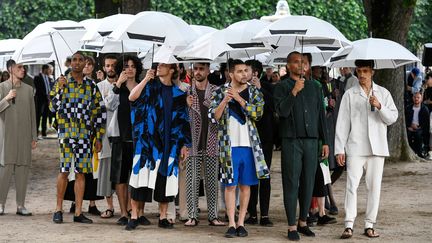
(235,107)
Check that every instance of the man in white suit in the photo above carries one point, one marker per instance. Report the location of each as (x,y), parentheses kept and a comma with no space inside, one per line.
(361,140)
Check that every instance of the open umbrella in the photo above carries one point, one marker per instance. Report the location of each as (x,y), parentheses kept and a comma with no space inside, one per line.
(235,41)
(50,41)
(7,49)
(299,31)
(385,53)
(319,56)
(202,29)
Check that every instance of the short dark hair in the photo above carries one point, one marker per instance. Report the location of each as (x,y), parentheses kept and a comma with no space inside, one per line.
(109,56)
(203,63)
(309,57)
(292,54)
(125,59)
(255,65)
(10,63)
(429,75)
(233,63)
(45,67)
(79,53)
(364,63)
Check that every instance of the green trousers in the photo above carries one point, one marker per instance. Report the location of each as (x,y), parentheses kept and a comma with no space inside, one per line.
(299,164)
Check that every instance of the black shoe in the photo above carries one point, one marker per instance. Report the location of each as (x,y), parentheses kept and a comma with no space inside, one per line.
(58,217)
(311,219)
(333,210)
(305,231)
(241,231)
(122,221)
(265,221)
(326,220)
(164,223)
(143,221)
(72,208)
(231,232)
(133,223)
(251,220)
(94,210)
(82,219)
(293,235)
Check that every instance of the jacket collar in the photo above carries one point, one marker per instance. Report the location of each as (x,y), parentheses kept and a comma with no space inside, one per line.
(357,89)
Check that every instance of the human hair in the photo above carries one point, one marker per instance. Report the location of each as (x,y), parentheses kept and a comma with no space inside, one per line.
(364,63)
(175,74)
(123,60)
(45,67)
(292,54)
(309,57)
(109,56)
(233,63)
(90,59)
(203,63)
(4,74)
(255,65)
(10,63)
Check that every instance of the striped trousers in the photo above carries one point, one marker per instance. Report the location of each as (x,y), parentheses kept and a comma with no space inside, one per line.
(193,177)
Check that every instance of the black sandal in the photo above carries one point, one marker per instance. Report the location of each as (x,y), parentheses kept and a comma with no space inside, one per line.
(109,213)
(194,222)
(348,233)
(212,223)
(372,234)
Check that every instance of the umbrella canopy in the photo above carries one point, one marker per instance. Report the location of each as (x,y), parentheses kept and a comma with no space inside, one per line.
(319,55)
(157,28)
(50,41)
(385,53)
(103,27)
(202,29)
(295,31)
(236,40)
(7,49)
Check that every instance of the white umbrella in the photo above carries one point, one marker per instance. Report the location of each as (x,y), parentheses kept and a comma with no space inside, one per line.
(297,31)
(50,41)
(155,27)
(319,55)
(7,49)
(235,41)
(385,53)
(202,29)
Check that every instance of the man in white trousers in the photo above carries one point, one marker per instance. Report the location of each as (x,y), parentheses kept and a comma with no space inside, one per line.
(361,140)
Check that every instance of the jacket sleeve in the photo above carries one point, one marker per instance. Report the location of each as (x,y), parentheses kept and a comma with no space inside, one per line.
(56,98)
(283,99)
(215,100)
(98,113)
(343,125)
(255,109)
(4,104)
(388,112)
(112,101)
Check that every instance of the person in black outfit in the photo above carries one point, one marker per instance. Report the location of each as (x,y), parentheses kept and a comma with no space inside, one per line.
(417,123)
(42,85)
(265,131)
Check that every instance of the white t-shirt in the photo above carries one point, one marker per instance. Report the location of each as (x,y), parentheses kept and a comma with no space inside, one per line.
(239,134)
(415,119)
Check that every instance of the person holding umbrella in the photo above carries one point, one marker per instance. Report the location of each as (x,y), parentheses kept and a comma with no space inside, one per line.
(361,143)
(17,135)
(81,117)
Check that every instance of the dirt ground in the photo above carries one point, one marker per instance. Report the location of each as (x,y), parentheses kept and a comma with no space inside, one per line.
(405,213)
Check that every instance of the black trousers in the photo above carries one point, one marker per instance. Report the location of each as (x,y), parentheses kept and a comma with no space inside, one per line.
(415,140)
(42,112)
(263,188)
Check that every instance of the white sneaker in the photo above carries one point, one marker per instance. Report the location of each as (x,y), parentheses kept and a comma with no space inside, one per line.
(1,209)
(429,157)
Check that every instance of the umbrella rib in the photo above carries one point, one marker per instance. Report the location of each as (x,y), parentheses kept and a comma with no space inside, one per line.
(70,49)
(55,53)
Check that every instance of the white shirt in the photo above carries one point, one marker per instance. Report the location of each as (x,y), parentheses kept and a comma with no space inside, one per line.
(415,119)
(238,133)
(104,88)
(360,131)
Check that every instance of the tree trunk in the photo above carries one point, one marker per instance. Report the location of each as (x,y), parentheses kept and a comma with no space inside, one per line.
(105,8)
(391,20)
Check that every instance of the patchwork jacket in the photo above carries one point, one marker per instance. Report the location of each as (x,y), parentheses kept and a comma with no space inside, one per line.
(253,111)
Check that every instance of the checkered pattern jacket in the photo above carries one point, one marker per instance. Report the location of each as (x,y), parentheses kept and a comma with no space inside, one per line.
(80,110)
(195,121)
(254,110)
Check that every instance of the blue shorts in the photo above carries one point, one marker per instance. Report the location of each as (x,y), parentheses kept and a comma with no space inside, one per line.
(243,166)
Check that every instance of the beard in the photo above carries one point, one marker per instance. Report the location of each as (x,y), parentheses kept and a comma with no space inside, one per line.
(111,76)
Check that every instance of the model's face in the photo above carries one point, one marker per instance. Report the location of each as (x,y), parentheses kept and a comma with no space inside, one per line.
(130,69)
(298,65)
(18,71)
(364,75)
(200,72)
(109,67)
(78,63)
(164,70)
(88,68)
(239,74)
(248,72)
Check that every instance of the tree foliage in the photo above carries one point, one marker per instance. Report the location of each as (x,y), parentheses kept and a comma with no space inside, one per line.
(420,30)
(19,17)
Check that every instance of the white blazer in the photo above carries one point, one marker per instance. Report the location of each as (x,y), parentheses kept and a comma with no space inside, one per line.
(360,131)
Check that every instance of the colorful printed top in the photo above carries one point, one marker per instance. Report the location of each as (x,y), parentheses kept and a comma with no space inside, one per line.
(80,110)
(254,110)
